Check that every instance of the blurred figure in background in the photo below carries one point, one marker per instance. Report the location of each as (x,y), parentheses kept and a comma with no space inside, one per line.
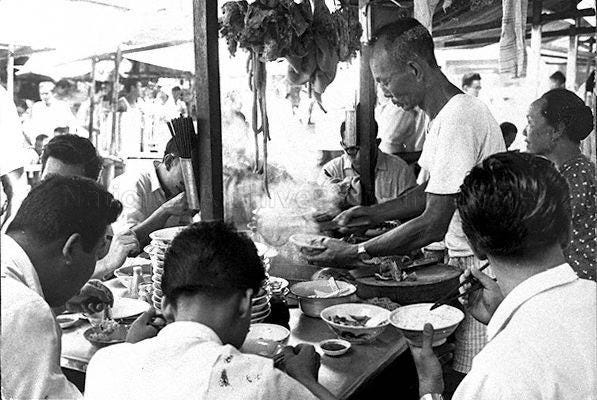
(471,83)
(50,113)
(509,132)
(557,80)
(180,105)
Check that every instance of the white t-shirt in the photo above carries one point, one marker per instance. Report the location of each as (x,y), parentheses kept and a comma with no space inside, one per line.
(463,134)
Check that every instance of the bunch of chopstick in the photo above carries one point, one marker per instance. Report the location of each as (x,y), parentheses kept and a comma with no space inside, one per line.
(455,294)
(183,132)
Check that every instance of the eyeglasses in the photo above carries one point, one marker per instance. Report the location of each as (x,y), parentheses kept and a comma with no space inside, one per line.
(350,150)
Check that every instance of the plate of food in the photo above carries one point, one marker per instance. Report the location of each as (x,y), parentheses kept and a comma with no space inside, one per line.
(356,322)
(126,308)
(308,241)
(106,333)
(67,320)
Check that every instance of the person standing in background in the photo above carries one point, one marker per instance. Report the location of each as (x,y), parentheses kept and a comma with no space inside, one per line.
(180,105)
(471,83)
(50,113)
(557,80)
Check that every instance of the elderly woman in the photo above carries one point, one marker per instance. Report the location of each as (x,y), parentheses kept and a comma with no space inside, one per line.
(557,122)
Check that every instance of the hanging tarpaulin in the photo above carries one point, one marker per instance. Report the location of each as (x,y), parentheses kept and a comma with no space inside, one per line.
(512,60)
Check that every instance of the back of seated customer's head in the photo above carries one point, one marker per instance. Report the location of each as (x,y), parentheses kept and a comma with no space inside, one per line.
(70,155)
(62,225)
(211,272)
(515,206)
(171,176)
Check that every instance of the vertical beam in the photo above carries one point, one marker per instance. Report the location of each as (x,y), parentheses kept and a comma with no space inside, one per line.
(92,135)
(114,143)
(10,72)
(572,57)
(366,115)
(207,85)
(535,59)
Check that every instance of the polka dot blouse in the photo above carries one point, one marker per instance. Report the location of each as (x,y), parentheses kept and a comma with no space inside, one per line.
(580,174)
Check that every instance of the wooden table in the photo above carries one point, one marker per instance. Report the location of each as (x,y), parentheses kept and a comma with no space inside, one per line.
(341,375)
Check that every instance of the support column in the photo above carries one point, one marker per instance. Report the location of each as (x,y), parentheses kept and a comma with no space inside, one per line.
(114,147)
(10,72)
(571,61)
(92,135)
(209,127)
(534,67)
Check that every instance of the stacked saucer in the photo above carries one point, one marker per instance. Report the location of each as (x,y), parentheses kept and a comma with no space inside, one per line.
(160,241)
(260,307)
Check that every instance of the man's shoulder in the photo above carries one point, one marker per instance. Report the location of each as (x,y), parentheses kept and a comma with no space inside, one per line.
(140,176)
(393,161)
(22,305)
(467,109)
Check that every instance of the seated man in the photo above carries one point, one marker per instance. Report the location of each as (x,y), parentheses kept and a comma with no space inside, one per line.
(392,175)
(541,318)
(72,155)
(207,299)
(154,198)
(48,253)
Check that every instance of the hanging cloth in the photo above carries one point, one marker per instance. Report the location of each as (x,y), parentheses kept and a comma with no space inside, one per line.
(423,12)
(512,60)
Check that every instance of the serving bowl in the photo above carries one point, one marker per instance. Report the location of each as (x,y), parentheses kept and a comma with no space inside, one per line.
(311,305)
(99,338)
(265,339)
(411,319)
(125,273)
(376,321)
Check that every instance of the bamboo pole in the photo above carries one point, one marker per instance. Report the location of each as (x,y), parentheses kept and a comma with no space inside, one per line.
(535,59)
(10,72)
(92,135)
(114,148)
(571,62)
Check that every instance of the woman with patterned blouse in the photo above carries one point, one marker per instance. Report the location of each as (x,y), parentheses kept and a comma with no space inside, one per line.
(557,122)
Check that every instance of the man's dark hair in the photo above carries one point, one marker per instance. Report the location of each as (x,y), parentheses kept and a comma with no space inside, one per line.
(41,137)
(176,88)
(63,205)
(508,128)
(211,258)
(515,205)
(74,150)
(563,108)
(468,79)
(129,83)
(558,77)
(405,40)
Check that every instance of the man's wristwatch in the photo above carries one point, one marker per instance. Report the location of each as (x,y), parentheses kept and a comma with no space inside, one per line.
(432,396)
(366,257)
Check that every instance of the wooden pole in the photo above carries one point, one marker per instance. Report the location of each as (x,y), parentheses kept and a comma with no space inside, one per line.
(572,58)
(535,59)
(92,135)
(207,89)
(366,116)
(10,72)
(114,147)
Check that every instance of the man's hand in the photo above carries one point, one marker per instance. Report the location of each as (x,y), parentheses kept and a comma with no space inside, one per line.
(123,245)
(144,327)
(176,206)
(336,251)
(481,303)
(428,365)
(92,298)
(302,363)
(355,217)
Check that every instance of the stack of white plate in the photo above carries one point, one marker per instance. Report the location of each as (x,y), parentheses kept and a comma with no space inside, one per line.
(260,307)
(160,241)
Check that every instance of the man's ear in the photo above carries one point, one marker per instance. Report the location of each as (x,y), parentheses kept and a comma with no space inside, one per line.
(378,142)
(416,69)
(244,304)
(168,158)
(168,309)
(72,244)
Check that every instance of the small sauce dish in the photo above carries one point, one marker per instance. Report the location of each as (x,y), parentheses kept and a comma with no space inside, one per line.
(334,347)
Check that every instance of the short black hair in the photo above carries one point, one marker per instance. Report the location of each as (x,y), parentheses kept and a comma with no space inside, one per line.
(561,107)
(176,88)
(558,77)
(63,205)
(211,258)
(41,137)
(74,150)
(406,39)
(469,78)
(515,205)
(508,128)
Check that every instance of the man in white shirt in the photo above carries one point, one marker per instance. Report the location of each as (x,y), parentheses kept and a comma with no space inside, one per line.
(471,83)
(392,175)
(542,318)
(50,113)
(153,198)
(462,133)
(207,301)
(48,253)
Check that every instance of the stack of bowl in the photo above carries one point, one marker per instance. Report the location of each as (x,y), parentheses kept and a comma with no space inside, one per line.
(260,307)
(160,241)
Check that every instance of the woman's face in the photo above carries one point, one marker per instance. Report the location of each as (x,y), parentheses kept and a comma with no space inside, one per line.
(540,136)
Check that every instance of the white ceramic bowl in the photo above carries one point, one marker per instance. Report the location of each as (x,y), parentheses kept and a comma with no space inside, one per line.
(166,235)
(334,342)
(411,319)
(378,320)
(265,339)
(312,306)
(125,273)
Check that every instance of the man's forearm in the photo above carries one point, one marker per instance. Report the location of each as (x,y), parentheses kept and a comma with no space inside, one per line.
(155,221)
(318,389)
(406,206)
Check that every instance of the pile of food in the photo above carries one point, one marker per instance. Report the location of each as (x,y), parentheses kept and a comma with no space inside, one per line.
(416,320)
(104,332)
(390,270)
(383,302)
(354,320)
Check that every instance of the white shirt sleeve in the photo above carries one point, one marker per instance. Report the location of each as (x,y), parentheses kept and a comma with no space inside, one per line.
(131,196)
(278,385)
(497,385)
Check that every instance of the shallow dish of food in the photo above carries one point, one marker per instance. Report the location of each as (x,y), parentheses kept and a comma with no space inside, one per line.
(314,296)
(308,241)
(126,308)
(356,322)
(277,285)
(125,273)
(265,339)
(411,320)
(106,333)
(68,320)
(334,347)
